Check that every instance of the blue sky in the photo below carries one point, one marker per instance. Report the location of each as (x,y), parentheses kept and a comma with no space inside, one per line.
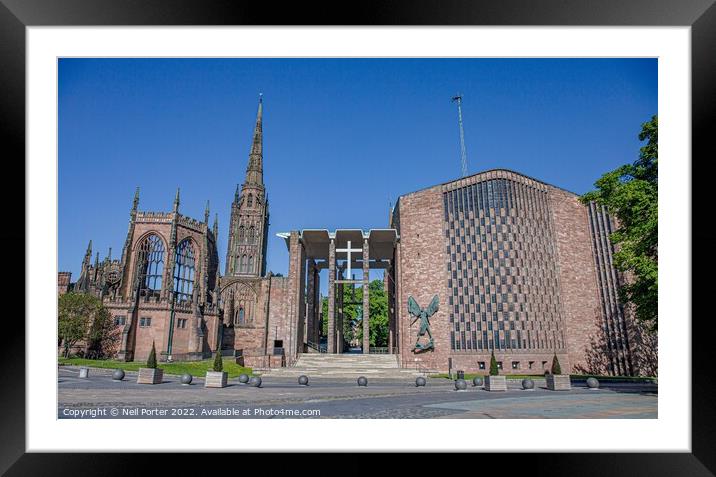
(342,137)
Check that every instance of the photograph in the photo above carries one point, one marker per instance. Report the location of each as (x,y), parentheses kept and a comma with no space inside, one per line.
(418,227)
(357,238)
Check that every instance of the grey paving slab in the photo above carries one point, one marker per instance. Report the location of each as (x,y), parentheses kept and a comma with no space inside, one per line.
(101,397)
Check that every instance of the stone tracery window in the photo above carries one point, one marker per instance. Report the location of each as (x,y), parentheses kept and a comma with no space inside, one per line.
(250,201)
(242,304)
(250,267)
(184,271)
(150,265)
(251,235)
(242,264)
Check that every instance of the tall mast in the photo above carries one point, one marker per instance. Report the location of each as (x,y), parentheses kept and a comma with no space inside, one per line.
(463,153)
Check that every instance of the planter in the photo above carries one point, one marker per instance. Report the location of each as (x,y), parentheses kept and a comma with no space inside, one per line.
(150,376)
(215,379)
(558,382)
(495,383)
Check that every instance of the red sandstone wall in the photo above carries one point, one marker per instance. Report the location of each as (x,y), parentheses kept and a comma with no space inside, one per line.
(423,274)
(577,275)
(250,336)
(279,321)
(157,332)
(63,282)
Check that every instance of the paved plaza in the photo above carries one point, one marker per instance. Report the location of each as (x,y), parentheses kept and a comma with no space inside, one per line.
(100,397)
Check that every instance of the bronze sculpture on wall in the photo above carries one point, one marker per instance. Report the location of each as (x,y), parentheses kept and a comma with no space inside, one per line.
(424,316)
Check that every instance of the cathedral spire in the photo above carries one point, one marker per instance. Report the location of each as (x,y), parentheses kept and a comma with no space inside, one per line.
(254,170)
(237,194)
(215,228)
(206,214)
(88,253)
(135,202)
(176,201)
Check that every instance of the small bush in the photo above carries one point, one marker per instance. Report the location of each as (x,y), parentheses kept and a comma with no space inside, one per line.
(556,368)
(494,370)
(152,360)
(218,362)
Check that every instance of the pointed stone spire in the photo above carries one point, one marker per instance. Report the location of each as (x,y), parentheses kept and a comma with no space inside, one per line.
(88,253)
(109,256)
(237,194)
(96,261)
(254,170)
(176,201)
(206,213)
(135,203)
(215,228)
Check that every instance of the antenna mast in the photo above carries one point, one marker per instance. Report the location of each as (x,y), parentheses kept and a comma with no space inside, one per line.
(463,152)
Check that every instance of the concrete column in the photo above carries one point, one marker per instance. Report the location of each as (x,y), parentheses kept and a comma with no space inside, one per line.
(331,297)
(339,317)
(390,293)
(297,290)
(398,304)
(366,298)
(311,301)
(317,306)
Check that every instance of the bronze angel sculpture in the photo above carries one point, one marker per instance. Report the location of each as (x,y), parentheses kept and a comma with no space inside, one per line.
(423,315)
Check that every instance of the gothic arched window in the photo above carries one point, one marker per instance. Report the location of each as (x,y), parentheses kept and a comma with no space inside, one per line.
(252,234)
(250,268)
(242,265)
(184,270)
(241,318)
(242,233)
(150,265)
(250,200)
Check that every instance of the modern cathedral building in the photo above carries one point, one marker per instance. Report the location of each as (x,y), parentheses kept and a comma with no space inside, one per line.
(514,265)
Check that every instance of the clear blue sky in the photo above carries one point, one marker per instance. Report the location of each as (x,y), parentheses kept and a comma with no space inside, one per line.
(342,137)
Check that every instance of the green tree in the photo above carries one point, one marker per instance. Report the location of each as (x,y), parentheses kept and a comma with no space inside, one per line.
(218,361)
(630,194)
(556,368)
(378,315)
(152,360)
(324,316)
(378,319)
(494,370)
(82,317)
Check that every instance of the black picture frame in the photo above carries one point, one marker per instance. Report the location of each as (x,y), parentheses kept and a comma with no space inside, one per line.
(700,15)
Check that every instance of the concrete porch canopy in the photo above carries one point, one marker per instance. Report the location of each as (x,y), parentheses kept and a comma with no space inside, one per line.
(317,243)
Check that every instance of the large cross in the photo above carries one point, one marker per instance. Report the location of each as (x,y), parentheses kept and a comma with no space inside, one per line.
(349,250)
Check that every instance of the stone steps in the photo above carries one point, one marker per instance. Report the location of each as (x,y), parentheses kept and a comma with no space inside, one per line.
(345,366)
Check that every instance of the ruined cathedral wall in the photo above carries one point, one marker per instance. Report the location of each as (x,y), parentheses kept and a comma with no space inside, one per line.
(243,317)
(157,332)
(160,226)
(279,326)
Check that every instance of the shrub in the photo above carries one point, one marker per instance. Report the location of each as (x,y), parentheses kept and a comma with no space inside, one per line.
(218,362)
(152,360)
(556,368)
(494,371)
